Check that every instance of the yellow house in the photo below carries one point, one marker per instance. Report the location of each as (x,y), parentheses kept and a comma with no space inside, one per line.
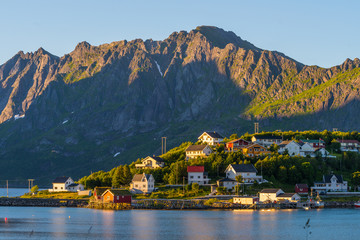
(255,150)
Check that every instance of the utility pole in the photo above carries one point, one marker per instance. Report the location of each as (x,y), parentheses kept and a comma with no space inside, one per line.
(7,188)
(256,127)
(31,183)
(163,145)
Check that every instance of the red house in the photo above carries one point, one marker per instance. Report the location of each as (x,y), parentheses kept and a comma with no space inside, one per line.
(116,196)
(236,144)
(301,188)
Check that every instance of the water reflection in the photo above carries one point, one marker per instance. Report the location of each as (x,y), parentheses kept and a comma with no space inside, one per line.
(54,223)
(108,224)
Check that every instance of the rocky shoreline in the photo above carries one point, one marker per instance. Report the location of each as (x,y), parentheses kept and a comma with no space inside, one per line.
(153,204)
(42,202)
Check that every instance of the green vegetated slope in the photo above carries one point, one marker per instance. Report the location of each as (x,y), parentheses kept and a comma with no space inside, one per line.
(281,170)
(83,108)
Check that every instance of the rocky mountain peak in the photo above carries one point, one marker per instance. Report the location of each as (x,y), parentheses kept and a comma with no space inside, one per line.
(220,38)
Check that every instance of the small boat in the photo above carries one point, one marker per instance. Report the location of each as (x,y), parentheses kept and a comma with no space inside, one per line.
(306,208)
(357,204)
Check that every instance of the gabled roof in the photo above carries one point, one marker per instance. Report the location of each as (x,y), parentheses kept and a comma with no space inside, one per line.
(226,180)
(267,137)
(196,148)
(213,134)
(254,145)
(117,192)
(157,159)
(100,190)
(286,194)
(139,177)
(347,141)
(312,140)
(244,168)
(237,140)
(195,169)
(60,179)
(73,185)
(270,190)
(286,142)
(327,178)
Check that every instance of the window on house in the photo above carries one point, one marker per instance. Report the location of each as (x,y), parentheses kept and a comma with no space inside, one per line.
(144,186)
(108,197)
(198,176)
(55,187)
(191,176)
(136,185)
(62,188)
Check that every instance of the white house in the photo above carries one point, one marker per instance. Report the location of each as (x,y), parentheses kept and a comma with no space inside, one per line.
(266,140)
(151,162)
(195,151)
(270,194)
(331,183)
(227,182)
(296,148)
(142,183)
(196,174)
(291,197)
(247,171)
(75,187)
(211,138)
(60,184)
(349,145)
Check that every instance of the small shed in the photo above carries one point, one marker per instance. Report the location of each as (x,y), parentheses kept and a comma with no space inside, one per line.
(116,196)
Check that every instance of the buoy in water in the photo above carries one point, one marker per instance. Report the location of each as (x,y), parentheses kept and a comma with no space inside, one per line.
(69,217)
(6,219)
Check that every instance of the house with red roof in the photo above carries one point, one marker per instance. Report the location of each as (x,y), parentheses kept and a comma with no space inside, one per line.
(197,174)
(301,188)
(236,145)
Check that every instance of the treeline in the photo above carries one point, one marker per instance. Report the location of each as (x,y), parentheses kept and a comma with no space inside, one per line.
(327,136)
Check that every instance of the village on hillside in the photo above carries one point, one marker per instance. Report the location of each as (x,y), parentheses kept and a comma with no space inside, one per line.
(263,168)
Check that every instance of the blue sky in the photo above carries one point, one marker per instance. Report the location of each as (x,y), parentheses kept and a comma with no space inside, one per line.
(322,33)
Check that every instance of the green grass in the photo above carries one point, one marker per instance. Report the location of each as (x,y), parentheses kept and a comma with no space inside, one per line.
(56,195)
(257,108)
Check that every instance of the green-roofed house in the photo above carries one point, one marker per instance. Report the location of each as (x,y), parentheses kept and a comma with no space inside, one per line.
(315,143)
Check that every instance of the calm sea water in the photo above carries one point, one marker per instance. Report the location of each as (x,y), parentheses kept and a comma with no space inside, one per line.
(77,223)
(13,192)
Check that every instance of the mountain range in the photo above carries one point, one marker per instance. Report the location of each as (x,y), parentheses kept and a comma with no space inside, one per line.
(101,106)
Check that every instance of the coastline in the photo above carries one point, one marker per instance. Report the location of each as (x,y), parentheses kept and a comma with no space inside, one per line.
(154,204)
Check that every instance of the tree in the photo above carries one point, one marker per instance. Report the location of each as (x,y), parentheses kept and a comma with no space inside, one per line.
(195,187)
(239,179)
(234,136)
(117,178)
(221,190)
(356,179)
(34,189)
(127,176)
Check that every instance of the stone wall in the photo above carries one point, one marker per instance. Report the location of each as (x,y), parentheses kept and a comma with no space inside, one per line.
(40,202)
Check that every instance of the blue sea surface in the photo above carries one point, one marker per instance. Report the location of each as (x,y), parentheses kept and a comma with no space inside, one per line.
(13,192)
(82,223)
